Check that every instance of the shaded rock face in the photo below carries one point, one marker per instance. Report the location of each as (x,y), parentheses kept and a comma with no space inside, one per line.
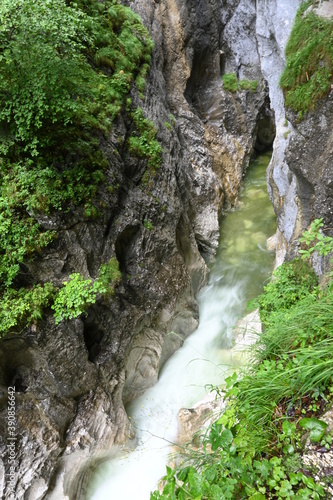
(72,380)
(309,156)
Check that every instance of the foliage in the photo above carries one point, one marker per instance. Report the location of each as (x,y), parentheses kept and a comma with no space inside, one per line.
(291,282)
(78,293)
(41,67)
(24,306)
(248,85)
(316,427)
(109,276)
(308,74)
(148,224)
(66,71)
(315,241)
(232,84)
(143,141)
(168,126)
(231,476)
(74,297)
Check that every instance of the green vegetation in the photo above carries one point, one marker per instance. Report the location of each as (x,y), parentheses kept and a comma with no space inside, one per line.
(77,294)
(308,74)
(254,449)
(291,282)
(143,143)
(168,126)
(232,84)
(148,225)
(66,72)
(22,307)
(315,241)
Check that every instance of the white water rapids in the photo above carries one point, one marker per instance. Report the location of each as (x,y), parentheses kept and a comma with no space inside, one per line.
(241,267)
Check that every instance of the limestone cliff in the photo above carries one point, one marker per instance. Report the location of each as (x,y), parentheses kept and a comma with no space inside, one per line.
(72,380)
(301,171)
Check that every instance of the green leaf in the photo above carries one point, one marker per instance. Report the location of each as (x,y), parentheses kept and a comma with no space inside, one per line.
(210,473)
(183,473)
(257,496)
(315,426)
(288,449)
(289,428)
(309,482)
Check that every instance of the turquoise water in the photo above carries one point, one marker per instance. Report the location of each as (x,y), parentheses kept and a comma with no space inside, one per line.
(239,272)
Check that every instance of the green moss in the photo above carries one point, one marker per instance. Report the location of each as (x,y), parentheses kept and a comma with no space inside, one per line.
(308,75)
(168,126)
(232,84)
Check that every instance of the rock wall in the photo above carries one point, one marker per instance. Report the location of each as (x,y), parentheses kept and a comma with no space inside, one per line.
(301,171)
(72,380)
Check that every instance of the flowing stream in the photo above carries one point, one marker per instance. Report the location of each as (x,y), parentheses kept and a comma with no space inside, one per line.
(242,266)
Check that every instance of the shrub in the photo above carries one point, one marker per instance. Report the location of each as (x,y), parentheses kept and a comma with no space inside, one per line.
(315,241)
(142,142)
(291,282)
(78,293)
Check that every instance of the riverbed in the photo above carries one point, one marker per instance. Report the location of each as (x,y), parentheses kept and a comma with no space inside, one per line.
(241,268)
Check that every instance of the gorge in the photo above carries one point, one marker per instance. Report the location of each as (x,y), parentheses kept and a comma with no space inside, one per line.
(73,379)
(241,266)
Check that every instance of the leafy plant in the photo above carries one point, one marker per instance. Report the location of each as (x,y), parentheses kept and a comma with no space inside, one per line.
(142,141)
(109,276)
(316,427)
(168,126)
(78,293)
(232,84)
(291,282)
(22,307)
(315,241)
(148,225)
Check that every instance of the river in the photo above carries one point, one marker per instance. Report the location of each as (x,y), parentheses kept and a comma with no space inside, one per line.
(241,267)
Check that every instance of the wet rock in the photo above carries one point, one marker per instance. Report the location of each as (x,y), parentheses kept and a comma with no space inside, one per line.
(72,379)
